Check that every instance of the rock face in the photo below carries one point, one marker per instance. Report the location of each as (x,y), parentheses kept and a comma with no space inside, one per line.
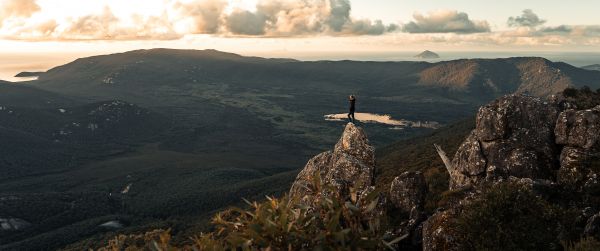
(544,145)
(407,195)
(350,166)
(525,137)
(579,133)
(408,191)
(514,136)
(348,172)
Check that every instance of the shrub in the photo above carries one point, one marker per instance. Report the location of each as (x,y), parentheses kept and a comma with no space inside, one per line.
(437,183)
(584,98)
(329,222)
(509,216)
(570,92)
(585,244)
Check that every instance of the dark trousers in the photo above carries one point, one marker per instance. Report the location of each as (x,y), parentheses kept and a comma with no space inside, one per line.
(351,116)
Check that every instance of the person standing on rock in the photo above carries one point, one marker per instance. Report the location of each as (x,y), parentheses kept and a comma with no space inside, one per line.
(352,100)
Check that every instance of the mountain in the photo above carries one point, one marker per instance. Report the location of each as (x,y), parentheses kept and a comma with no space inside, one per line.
(162,138)
(594,67)
(427,55)
(493,77)
(137,73)
(27,96)
(29,74)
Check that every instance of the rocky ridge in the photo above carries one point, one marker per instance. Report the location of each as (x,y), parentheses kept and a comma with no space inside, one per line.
(543,145)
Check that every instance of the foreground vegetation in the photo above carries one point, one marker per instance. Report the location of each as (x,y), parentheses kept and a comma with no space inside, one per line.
(507,216)
(326,223)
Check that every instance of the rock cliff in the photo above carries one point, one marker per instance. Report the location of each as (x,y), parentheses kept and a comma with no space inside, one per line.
(544,146)
(526,137)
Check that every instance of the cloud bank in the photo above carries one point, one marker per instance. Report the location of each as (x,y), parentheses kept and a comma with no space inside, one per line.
(17,9)
(175,19)
(271,18)
(278,18)
(445,21)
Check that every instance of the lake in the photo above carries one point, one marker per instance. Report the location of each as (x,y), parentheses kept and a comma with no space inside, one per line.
(395,124)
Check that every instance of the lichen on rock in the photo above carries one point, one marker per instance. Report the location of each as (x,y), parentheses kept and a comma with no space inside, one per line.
(350,166)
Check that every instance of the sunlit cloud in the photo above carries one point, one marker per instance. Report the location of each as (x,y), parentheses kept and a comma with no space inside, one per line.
(445,21)
(267,18)
(294,22)
(17,9)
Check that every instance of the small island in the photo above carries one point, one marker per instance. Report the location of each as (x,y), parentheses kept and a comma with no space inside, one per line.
(29,74)
(427,55)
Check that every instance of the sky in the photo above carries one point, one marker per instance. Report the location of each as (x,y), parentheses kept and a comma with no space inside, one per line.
(280,26)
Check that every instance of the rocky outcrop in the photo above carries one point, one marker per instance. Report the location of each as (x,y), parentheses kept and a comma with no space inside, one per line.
(525,137)
(579,133)
(349,167)
(408,191)
(514,136)
(348,172)
(407,195)
(545,146)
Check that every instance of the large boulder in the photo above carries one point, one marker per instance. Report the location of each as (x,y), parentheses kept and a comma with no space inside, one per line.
(469,164)
(579,128)
(514,136)
(579,133)
(407,194)
(317,167)
(408,191)
(349,167)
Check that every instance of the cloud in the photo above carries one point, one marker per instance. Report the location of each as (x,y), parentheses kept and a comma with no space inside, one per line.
(367,27)
(95,26)
(526,19)
(445,21)
(17,8)
(270,18)
(561,29)
(339,14)
(276,18)
(205,14)
(246,23)
(100,26)
(293,18)
(572,30)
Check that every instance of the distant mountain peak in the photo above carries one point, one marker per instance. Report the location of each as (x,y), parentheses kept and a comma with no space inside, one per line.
(427,54)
